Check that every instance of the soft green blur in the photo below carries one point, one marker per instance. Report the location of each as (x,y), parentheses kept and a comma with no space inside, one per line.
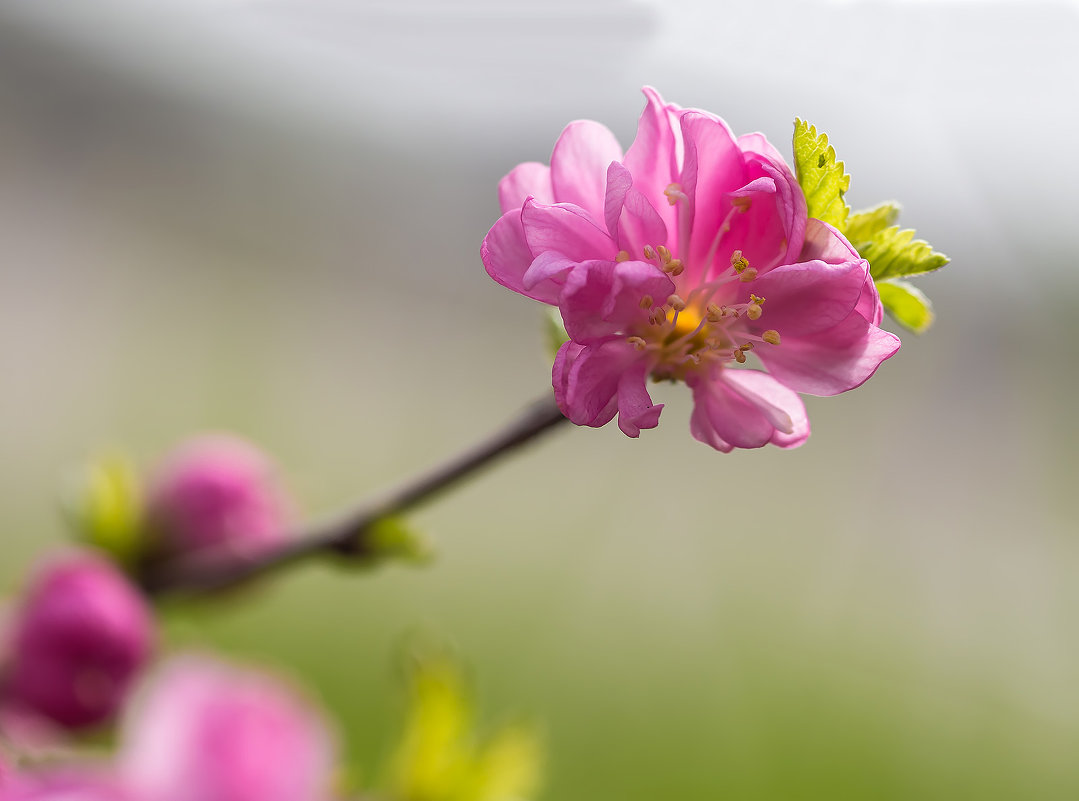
(225,219)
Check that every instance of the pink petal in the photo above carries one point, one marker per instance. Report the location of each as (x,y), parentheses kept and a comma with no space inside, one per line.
(530,179)
(831,361)
(654,159)
(723,418)
(635,407)
(592,381)
(565,228)
(804,298)
(713,168)
(792,202)
(506,258)
(780,406)
(548,269)
(825,243)
(602,298)
(579,165)
(631,220)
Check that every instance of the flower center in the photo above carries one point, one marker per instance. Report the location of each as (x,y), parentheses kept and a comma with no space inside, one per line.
(684,335)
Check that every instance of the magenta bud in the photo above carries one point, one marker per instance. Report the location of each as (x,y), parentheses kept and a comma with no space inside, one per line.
(215,496)
(79,637)
(206,730)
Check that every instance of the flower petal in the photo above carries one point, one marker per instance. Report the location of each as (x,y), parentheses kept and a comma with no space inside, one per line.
(635,407)
(655,157)
(808,297)
(826,243)
(530,179)
(831,361)
(579,165)
(567,229)
(591,379)
(723,418)
(602,298)
(713,168)
(506,257)
(780,406)
(631,220)
(792,202)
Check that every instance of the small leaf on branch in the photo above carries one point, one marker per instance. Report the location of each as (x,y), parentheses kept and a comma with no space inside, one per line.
(862,226)
(555,330)
(393,538)
(821,177)
(895,253)
(106,508)
(907,304)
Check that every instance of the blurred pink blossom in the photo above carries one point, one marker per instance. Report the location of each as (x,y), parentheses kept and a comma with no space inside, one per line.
(79,637)
(677,260)
(216,495)
(67,783)
(207,731)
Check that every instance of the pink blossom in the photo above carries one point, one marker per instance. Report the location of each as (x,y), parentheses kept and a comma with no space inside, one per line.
(677,260)
(212,732)
(217,495)
(80,636)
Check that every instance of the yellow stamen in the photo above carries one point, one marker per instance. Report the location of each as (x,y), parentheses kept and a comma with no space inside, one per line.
(754,311)
(740,357)
(742,203)
(649,252)
(623,255)
(646,302)
(748,275)
(674,193)
(636,342)
(676,303)
(664,254)
(713,313)
(771,336)
(738,261)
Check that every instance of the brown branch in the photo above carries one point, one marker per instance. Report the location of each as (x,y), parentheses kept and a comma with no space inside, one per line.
(346,536)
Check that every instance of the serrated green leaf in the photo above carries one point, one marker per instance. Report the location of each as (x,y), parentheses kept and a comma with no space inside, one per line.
(895,253)
(819,174)
(907,304)
(862,226)
(555,330)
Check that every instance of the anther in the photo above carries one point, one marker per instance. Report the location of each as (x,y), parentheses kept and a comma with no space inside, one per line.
(748,274)
(738,261)
(748,346)
(658,317)
(637,342)
(674,193)
(676,303)
(646,302)
(742,203)
(713,313)
(771,336)
(674,267)
(649,252)
(695,357)
(740,357)
(623,255)
(664,254)
(754,311)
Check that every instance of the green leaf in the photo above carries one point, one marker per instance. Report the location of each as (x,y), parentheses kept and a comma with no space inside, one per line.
(555,330)
(392,537)
(862,226)
(907,304)
(895,253)
(106,508)
(819,174)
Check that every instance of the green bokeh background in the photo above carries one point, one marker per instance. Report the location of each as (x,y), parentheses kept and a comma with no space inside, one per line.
(264,218)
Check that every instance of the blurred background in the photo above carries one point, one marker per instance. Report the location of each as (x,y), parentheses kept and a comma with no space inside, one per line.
(264,216)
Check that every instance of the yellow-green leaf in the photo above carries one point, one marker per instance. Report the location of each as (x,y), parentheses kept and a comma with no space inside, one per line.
(819,174)
(107,508)
(895,253)
(907,304)
(556,330)
(862,226)
(392,537)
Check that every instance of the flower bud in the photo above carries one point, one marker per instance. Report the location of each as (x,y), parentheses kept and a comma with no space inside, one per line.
(80,635)
(209,731)
(216,496)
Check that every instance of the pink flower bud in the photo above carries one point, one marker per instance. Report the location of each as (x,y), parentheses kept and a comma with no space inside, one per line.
(79,637)
(216,494)
(213,732)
